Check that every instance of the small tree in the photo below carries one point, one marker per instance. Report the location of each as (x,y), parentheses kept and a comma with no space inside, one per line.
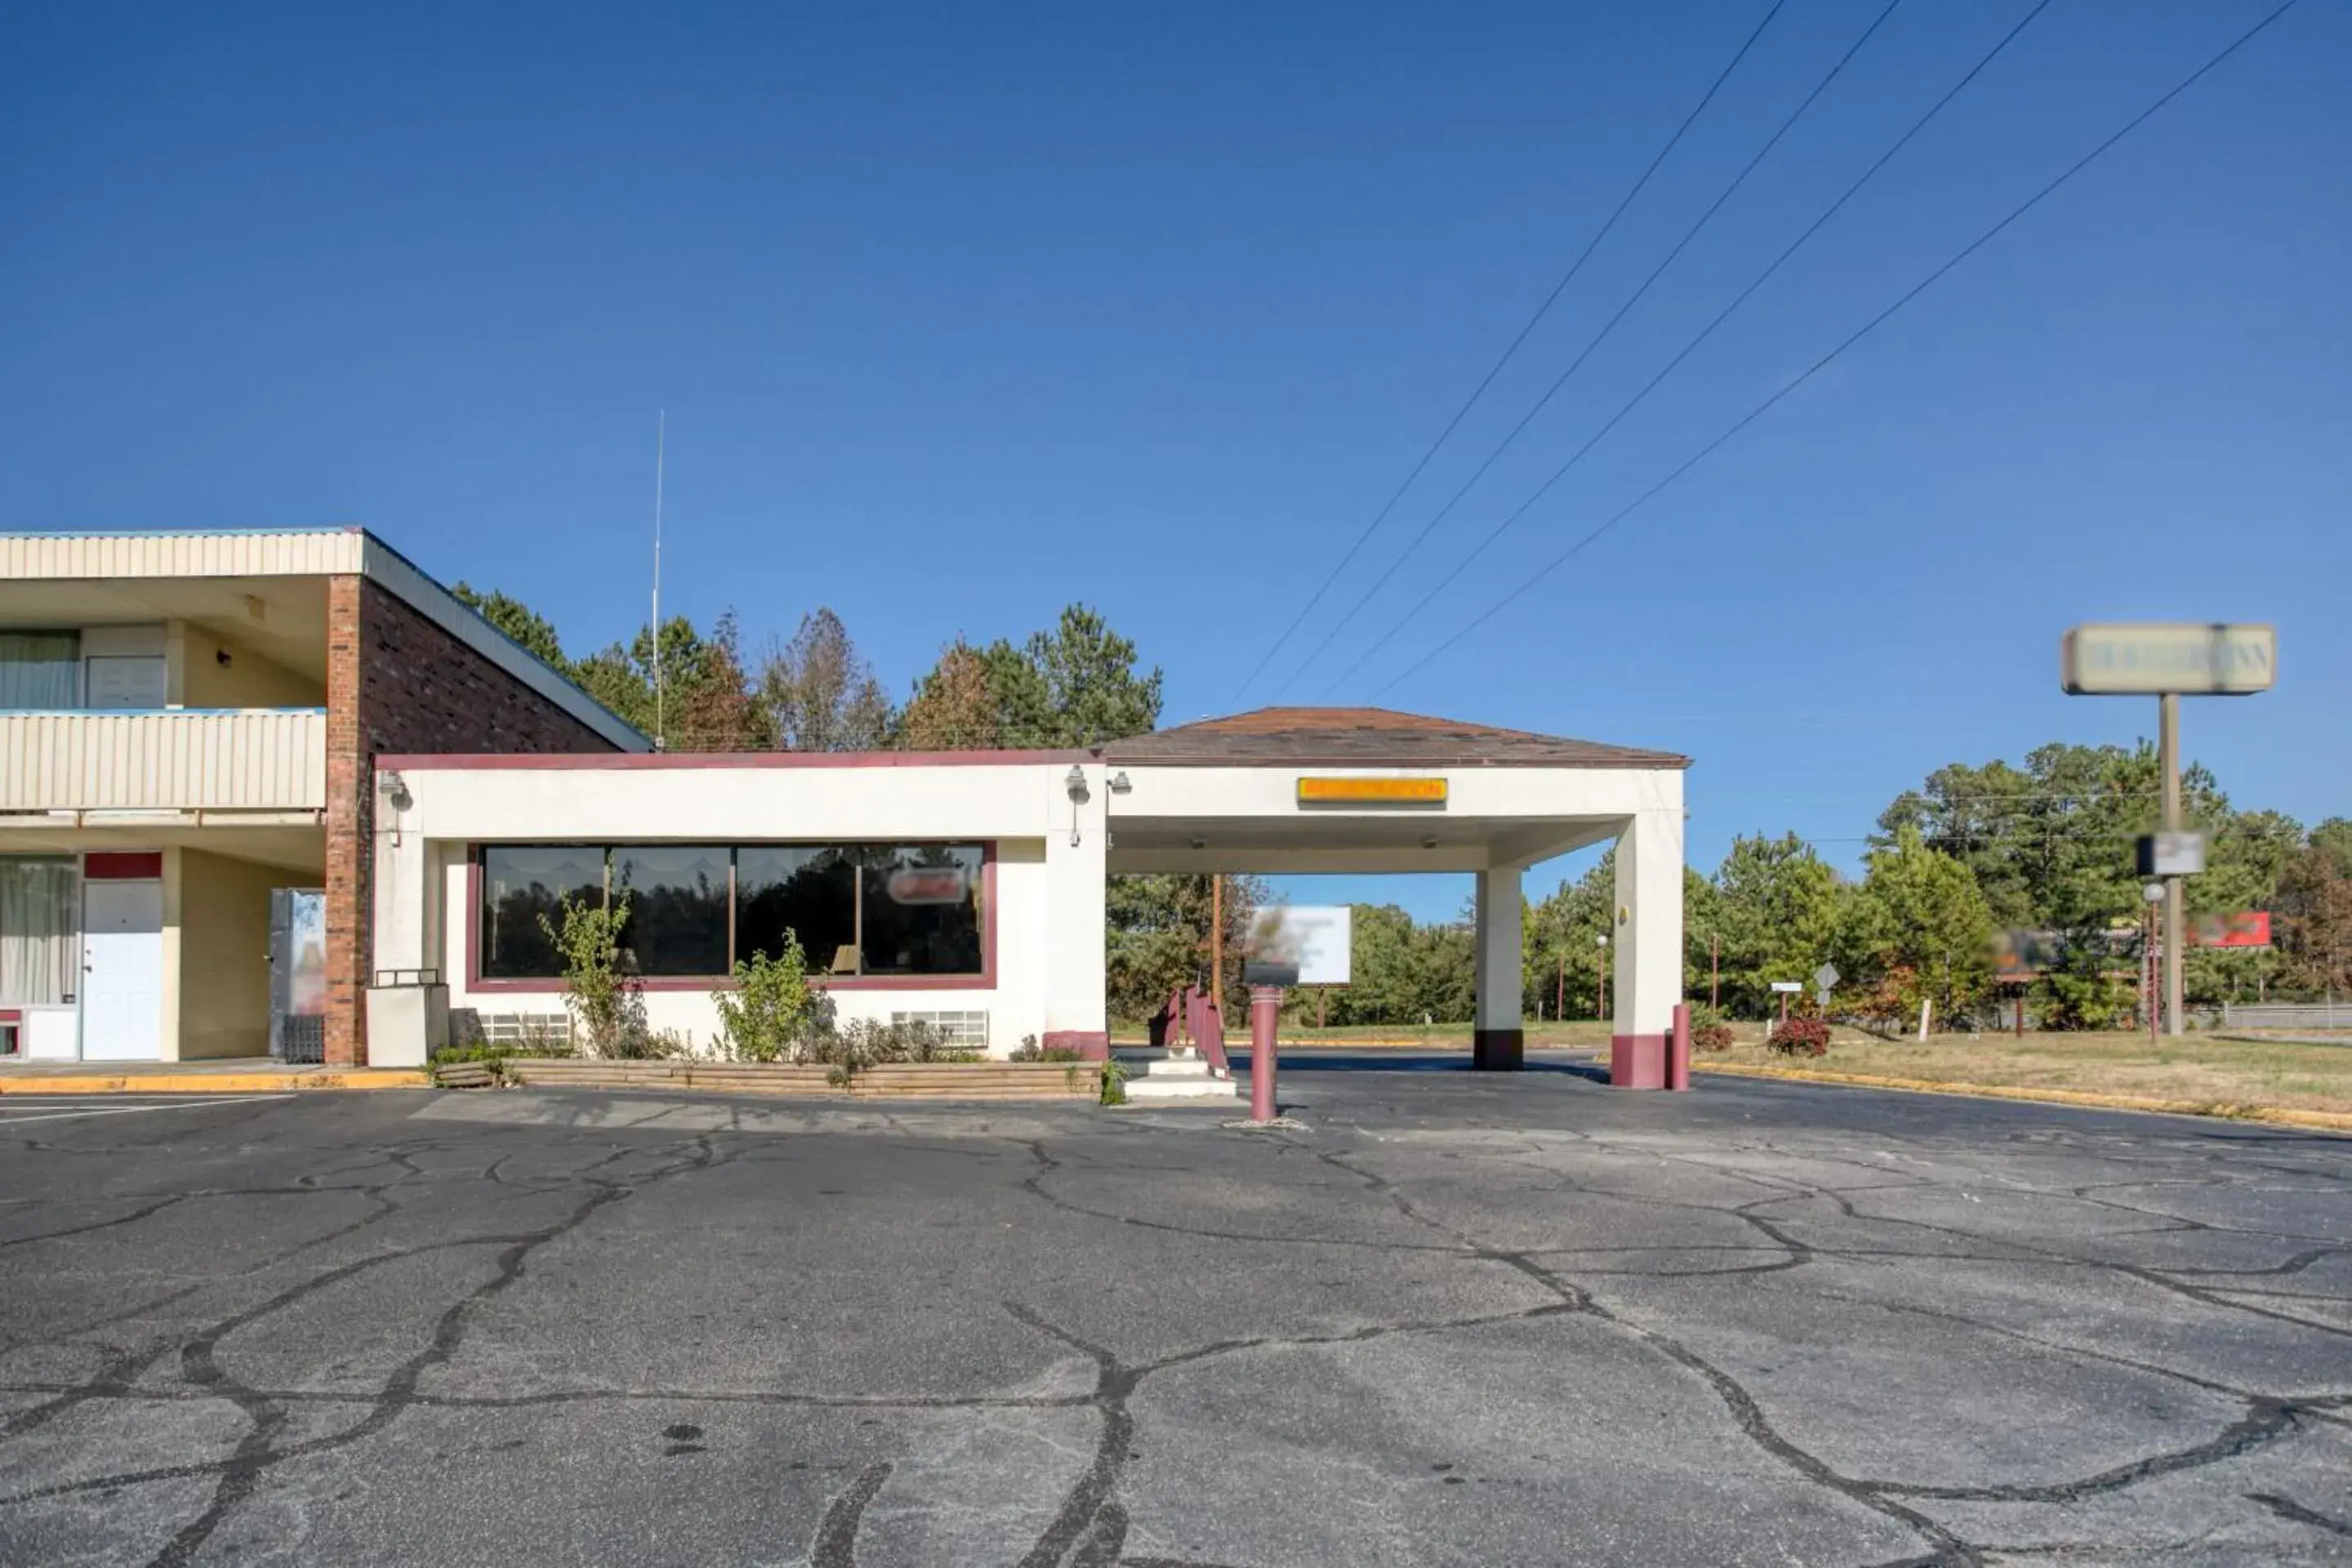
(607,1007)
(772,1008)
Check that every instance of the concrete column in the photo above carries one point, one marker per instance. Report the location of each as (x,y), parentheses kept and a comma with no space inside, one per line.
(402,891)
(1077,860)
(1497,1043)
(1647,937)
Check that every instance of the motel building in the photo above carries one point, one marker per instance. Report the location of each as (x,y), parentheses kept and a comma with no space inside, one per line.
(318,809)
(187,723)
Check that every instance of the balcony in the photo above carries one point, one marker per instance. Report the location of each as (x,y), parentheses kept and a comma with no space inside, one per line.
(243,760)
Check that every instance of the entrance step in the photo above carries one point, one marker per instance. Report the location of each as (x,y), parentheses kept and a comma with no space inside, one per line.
(1174,1075)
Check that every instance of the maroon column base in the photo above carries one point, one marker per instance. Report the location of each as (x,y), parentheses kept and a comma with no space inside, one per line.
(1637,1061)
(1498,1050)
(1265,1025)
(1092,1044)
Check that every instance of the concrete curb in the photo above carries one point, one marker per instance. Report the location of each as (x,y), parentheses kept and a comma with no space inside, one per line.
(2275,1115)
(215,1082)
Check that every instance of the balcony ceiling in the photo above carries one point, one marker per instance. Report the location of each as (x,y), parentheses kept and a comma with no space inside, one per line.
(282,618)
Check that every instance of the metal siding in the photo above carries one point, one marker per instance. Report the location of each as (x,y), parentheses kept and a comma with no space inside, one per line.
(319,553)
(245,760)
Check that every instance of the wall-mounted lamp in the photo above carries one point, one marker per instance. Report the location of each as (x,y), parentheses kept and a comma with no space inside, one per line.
(220,657)
(1121,784)
(395,790)
(1075,783)
(1429,841)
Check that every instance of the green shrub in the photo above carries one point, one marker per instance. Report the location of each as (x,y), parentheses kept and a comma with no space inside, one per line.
(484,1051)
(771,1009)
(1028,1050)
(863,1043)
(606,1005)
(1114,1082)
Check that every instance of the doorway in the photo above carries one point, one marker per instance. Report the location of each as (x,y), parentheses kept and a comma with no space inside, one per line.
(122,971)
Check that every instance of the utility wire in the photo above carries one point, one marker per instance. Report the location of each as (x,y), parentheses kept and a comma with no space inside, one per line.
(1595,343)
(1822,364)
(1691,347)
(1480,390)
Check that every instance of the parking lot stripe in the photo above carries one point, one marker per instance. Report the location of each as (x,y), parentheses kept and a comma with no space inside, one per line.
(10,1117)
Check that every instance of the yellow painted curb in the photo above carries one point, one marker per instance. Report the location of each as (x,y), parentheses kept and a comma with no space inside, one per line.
(2280,1115)
(213,1082)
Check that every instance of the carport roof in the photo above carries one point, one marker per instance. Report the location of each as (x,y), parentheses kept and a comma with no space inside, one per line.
(1370,737)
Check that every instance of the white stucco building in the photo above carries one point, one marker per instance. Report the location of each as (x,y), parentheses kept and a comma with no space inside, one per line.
(969,888)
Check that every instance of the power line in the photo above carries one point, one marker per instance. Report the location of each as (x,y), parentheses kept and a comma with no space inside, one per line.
(1773,267)
(1488,380)
(1864,331)
(1595,343)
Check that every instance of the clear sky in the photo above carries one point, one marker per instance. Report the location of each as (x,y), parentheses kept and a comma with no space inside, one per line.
(961,313)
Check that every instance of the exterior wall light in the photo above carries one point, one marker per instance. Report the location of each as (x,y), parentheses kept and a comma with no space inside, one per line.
(1074,782)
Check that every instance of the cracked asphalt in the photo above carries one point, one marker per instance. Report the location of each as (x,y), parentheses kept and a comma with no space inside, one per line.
(1450,1319)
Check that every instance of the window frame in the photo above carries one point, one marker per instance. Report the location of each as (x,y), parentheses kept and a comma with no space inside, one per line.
(983,980)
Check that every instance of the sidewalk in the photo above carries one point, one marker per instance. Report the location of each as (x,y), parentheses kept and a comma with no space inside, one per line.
(233,1075)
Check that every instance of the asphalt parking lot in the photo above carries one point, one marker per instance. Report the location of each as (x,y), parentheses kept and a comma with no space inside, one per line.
(1448,1320)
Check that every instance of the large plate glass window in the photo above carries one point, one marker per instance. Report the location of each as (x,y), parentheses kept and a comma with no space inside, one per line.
(811,891)
(921,909)
(521,883)
(677,920)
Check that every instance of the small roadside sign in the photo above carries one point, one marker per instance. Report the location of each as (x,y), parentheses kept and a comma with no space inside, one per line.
(1788,985)
(1825,977)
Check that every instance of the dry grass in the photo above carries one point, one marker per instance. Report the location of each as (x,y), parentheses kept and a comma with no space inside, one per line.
(2199,1068)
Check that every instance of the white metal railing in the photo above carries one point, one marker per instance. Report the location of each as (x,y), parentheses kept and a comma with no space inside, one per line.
(243,759)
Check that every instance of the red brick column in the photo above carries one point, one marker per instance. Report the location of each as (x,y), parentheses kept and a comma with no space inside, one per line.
(351,792)
(397,681)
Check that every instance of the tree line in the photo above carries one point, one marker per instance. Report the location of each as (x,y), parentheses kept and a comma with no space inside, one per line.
(1957,869)
(1973,854)
(1076,683)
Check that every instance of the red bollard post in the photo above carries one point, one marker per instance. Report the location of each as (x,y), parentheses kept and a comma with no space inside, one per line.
(1678,1048)
(1265,1015)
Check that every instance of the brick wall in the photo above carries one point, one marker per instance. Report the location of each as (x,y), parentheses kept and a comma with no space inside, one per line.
(396,682)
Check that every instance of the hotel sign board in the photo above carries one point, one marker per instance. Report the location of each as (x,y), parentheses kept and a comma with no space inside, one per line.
(1293,945)
(1388,790)
(2151,659)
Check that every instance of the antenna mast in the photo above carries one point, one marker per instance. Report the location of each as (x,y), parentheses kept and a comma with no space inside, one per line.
(661,435)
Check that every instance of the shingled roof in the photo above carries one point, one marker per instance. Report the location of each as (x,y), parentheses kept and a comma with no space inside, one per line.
(1371,737)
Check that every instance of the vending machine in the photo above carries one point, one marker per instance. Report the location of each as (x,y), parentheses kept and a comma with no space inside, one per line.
(298,974)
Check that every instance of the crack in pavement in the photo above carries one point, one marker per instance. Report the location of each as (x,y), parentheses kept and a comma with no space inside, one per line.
(836,1536)
(2287,1508)
(1091,1525)
(236,1475)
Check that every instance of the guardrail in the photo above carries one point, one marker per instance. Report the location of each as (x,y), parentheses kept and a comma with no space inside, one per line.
(243,759)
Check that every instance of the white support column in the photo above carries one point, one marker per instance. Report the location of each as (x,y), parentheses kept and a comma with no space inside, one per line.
(1497,1042)
(1077,859)
(404,885)
(1647,933)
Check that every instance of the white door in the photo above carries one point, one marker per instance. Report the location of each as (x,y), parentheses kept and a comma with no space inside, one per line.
(122,971)
(125,680)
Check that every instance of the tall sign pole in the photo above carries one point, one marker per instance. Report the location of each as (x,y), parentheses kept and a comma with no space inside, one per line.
(2167,661)
(2176,897)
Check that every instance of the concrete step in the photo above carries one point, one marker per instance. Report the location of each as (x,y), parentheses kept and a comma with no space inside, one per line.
(1159,1085)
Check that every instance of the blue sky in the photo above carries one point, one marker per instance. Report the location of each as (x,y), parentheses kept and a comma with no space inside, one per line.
(960,313)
